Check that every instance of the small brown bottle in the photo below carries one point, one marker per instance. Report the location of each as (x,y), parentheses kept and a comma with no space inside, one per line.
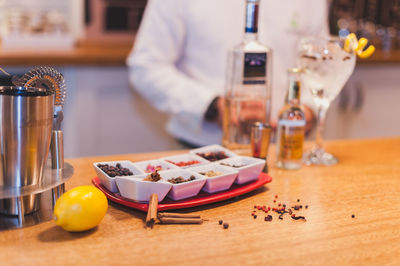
(291,125)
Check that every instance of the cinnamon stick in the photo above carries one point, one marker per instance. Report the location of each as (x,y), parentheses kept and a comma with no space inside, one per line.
(152,210)
(178,215)
(174,220)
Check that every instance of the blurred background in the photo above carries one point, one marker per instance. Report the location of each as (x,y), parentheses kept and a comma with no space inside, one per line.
(89,40)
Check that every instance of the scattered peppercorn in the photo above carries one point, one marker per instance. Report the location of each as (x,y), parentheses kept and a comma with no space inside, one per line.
(281,209)
(226,225)
(296,207)
(220,222)
(298,217)
(268,218)
(353,216)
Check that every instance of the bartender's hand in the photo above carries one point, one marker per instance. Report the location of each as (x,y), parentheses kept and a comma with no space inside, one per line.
(249,111)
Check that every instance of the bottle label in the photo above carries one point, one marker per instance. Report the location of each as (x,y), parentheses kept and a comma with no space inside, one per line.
(255,68)
(291,139)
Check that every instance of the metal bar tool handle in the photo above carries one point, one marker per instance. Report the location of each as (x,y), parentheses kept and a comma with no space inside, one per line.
(57,149)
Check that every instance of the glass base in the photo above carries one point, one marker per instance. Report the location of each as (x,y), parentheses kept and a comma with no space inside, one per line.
(319,157)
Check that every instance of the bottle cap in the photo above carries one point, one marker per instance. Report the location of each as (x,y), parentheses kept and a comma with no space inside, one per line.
(296,70)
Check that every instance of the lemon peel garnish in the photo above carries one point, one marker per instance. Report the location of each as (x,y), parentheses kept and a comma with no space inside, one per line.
(351,44)
(366,53)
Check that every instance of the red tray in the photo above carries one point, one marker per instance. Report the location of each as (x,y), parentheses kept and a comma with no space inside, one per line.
(201,199)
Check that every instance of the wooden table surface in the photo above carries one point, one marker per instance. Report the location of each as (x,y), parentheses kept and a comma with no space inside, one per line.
(365,183)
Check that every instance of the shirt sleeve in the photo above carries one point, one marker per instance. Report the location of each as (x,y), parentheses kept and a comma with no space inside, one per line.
(153,64)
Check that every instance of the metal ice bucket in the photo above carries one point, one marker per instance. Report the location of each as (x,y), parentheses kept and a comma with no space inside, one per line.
(25,132)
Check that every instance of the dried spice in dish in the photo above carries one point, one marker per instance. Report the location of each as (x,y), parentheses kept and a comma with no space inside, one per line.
(211,173)
(180,179)
(233,165)
(151,168)
(114,171)
(153,177)
(213,156)
(183,163)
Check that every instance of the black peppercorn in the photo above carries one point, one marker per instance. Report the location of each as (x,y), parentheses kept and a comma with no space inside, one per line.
(268,218)
(220,222)
(226,225)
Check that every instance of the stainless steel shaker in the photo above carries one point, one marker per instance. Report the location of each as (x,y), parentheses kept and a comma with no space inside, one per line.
(25,132)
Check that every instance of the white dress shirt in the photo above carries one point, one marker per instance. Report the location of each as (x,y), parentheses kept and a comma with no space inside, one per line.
(178,62)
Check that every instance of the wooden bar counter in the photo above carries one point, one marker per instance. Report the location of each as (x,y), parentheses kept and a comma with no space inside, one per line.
(101,53)
(366,184)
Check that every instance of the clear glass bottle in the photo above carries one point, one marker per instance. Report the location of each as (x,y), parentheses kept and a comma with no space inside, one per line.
(248,85)
(291,125)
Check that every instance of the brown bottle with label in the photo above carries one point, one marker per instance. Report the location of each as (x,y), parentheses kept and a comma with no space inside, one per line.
(291,126)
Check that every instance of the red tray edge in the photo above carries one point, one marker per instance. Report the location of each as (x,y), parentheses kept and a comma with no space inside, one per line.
(198,200)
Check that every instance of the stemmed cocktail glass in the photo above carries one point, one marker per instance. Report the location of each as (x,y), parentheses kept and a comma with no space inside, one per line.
(327,68)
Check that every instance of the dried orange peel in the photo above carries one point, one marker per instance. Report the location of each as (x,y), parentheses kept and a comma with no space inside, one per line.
(351,44)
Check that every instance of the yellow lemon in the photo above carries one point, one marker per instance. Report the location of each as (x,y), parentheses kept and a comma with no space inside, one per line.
(80,208)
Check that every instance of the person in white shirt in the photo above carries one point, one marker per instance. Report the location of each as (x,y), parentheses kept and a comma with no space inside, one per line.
(179,58)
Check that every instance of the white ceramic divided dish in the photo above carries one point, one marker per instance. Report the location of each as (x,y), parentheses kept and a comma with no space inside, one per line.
(186,189)
(187,157)
(158,162)
(134,188)
(250,170)
(217,183)
(213,148)
(108,181)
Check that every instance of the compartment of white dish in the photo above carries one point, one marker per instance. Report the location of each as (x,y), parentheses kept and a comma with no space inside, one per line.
(109,181)
(206,152)
(186,189)
(191,160)
(137,189)
(153,165)
(249,167)
(218,177)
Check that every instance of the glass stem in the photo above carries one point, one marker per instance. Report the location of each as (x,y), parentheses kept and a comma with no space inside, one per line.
(321,115)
